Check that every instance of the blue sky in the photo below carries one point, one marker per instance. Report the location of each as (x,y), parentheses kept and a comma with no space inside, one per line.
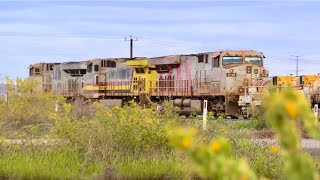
(276,28)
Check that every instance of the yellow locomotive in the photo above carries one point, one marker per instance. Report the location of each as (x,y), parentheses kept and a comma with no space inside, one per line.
(308,84)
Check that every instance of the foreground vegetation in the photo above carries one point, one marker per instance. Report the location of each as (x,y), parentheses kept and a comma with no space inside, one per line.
(133,142)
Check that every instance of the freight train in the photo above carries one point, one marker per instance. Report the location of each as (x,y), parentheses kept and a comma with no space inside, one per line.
(231,80)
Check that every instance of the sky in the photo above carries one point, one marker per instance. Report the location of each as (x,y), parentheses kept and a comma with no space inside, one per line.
(69,30)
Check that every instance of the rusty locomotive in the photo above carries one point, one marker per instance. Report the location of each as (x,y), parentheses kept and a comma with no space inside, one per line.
(230,80)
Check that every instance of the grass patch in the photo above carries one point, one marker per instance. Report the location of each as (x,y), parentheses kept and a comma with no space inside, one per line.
(260,158)
(45,164)
(156,167)
(246,124)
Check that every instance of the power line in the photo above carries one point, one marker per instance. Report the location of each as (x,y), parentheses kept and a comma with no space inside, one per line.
(47,35)
(135,38)
(305,61)
(131,39)
(22,34)
(171,43)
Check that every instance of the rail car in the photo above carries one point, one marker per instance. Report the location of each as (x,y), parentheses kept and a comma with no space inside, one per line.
(227,79)
(308,84)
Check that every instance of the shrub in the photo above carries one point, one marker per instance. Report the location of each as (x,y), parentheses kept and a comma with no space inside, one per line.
(130,130)
(26,108)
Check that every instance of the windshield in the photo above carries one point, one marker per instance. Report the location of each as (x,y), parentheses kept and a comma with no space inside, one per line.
(231,60)
(253,60)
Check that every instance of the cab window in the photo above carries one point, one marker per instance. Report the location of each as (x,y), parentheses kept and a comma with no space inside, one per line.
(253,60)
(216,62)
(231,60)
(139,70)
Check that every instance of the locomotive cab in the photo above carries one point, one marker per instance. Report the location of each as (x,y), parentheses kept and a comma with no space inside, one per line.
(245,79)
(144,76)
(44,74)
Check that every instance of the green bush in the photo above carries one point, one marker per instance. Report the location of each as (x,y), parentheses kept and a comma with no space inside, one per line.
(26,110)
(128,130)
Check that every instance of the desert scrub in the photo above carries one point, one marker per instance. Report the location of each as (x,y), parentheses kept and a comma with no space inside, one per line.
(131,140)
(26,109)
(128,130)
(134,129)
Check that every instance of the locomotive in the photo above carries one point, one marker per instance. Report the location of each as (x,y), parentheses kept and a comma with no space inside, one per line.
(230,80)
(307,84)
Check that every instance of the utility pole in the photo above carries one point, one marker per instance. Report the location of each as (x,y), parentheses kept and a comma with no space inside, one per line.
(297,64)
(131,39)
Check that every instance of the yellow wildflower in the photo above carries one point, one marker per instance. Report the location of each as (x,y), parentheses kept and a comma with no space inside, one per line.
(244,177)
(215,146)
(291,109)
(275,149)
(186,143)
(149,121)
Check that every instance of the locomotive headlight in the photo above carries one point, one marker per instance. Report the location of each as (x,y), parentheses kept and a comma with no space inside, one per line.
(231,73)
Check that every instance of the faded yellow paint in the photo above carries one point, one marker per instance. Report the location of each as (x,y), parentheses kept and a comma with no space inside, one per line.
(145,76)
(142,62)
(90,87)
(308,80)
(119,87)
(285,81)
